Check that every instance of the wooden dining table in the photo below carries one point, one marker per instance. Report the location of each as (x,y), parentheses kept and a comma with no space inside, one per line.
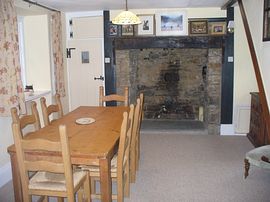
(90,144)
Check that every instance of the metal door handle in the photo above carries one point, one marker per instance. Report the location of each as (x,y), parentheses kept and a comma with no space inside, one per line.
(99,78)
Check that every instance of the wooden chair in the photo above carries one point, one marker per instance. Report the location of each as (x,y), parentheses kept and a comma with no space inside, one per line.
(138,136)
(134,141)
(26,120)
(120,163)
(113,97)
(259,157)
(48,110)
(52,177)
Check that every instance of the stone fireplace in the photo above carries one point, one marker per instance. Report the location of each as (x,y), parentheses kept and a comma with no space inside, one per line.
(178,83)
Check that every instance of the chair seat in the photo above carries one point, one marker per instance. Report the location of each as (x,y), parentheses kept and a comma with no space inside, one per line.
(54,181)
(254,156)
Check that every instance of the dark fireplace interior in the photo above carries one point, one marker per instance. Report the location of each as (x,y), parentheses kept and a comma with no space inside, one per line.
(178,83)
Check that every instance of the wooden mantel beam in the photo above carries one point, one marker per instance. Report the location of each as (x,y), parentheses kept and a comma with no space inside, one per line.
(228,4)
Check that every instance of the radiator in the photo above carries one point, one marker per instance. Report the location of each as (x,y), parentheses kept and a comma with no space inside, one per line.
(242,119)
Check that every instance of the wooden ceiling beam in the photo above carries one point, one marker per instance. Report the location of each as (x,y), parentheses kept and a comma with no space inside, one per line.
(228,4)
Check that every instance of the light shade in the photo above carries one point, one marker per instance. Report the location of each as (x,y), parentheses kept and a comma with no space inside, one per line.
(126,18)
(230,26)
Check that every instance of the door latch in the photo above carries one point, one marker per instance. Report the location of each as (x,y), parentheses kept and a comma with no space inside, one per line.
(69,52)
(99,78)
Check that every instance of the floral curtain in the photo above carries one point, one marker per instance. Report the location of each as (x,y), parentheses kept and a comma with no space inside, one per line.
(56,35)
(11,89)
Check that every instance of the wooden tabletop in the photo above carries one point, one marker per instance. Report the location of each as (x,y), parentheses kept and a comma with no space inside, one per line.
(94,140)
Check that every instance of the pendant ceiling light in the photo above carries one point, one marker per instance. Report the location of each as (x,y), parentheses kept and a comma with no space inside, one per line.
(126,18)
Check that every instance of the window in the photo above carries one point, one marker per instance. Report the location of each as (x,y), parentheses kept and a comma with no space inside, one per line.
(266,21)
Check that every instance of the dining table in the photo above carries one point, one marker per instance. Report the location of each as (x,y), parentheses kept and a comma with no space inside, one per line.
(91,142)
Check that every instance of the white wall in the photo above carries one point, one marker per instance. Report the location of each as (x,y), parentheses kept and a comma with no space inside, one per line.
(6,140)
(191,12)
(254,12)
(244,75)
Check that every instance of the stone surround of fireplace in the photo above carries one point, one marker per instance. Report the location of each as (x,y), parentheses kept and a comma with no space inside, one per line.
(182,82)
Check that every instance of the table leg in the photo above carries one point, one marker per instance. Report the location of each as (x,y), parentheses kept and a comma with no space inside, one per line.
(16,178)
(105,180)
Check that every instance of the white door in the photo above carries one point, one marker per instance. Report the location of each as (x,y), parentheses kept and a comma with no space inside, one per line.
(85,64)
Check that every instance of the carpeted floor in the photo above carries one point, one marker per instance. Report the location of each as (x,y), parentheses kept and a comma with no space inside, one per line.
(192,168)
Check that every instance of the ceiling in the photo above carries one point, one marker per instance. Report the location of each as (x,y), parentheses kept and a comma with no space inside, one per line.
(92,5)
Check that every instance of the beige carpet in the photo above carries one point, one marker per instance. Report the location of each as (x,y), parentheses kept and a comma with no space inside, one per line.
(191,168)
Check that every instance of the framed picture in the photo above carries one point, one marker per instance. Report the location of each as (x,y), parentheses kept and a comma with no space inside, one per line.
(171,23)
(198,27)
(266,21)
(114,30)
(127,30)
(217,28)
(147,27)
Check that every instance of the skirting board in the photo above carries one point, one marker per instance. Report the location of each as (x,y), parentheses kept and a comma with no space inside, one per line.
(5,174)
(228,129)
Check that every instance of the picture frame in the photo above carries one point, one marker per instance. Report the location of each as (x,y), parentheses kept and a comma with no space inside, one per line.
(127,30)
(198,27)
(147,27)
(266,21)
(114,30)
(171,23)
(217,28)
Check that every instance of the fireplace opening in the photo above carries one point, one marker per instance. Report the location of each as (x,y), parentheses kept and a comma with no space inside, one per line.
(181,84)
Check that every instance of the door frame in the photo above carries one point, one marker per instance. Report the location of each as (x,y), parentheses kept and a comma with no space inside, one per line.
(69,16)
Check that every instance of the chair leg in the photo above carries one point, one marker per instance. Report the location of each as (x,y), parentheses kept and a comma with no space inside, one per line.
(80,195)
(137,154)
(87,189)
(60,199)
(45,198)
(132,166)
(93,185)
(247,166)
(127,182)
(120,195)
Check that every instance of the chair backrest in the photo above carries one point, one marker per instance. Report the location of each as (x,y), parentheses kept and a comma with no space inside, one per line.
(55,165)
(137,121)
(26,120)
(48,110)
(134,137)
(136,124)
(141,108)
(125,140)
(113,97)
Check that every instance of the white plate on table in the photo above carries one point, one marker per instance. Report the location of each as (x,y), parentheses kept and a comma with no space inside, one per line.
(85,120)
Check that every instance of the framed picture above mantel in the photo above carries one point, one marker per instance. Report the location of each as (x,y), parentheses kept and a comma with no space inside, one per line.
(198,27)
(147,27)
(207,26)
(217,28)
(127,30)
(171,23)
